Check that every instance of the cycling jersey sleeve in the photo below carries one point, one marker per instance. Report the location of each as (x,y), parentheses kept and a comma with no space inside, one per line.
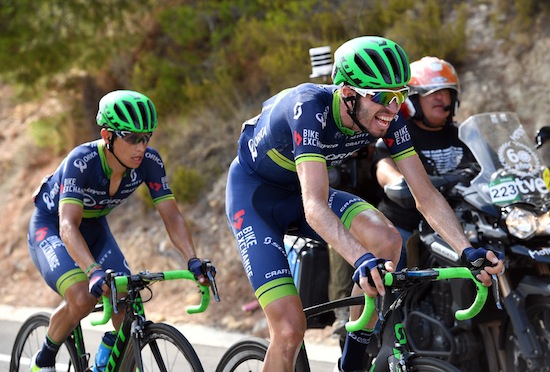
(74,173)
(398,139)
(155,177)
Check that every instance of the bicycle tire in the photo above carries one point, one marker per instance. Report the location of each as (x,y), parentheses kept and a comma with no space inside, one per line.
(247,355)
(175,353)
(29,341)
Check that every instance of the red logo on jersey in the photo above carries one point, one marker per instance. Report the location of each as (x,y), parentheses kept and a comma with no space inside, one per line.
(297,138)
(238,219)
(155,186)
(388,141)
(41,234)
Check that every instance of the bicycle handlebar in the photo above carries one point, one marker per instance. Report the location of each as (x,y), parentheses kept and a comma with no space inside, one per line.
(407,278)
(144,278)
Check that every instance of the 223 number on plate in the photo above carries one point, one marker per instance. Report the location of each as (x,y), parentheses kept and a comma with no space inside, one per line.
(504,191)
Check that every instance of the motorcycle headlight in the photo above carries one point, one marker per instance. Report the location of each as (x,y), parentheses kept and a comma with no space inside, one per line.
(544,224)
(521,223)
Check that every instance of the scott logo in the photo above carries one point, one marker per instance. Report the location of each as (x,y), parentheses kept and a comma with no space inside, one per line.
(238,219)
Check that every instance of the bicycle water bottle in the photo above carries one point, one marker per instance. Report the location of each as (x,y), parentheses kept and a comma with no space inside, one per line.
(104,351)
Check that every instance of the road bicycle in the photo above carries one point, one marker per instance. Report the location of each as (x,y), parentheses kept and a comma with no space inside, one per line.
(394,355)
(141,345)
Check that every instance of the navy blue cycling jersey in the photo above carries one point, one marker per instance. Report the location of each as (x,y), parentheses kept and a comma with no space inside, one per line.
(303,124)
(83,178)
(263,197)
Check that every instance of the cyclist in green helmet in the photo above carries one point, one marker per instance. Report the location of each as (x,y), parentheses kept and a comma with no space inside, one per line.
(279,180)
(69,239)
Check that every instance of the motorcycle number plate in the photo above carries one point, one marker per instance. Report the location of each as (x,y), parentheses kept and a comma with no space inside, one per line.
(504,191)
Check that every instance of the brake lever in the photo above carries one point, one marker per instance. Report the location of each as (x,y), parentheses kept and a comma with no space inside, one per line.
(208,269)
(110,276)
(496,291)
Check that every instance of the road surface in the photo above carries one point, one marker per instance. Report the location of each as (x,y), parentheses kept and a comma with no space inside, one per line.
(209,343)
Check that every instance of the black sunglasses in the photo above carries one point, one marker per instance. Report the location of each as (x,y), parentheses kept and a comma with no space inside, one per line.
(133,138)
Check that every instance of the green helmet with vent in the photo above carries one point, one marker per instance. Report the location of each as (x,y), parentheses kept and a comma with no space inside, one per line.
(371,62)
(127,110)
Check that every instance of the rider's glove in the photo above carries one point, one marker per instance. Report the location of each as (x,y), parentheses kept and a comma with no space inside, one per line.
(364,265)
(97,279)
(199,268)
(476,258)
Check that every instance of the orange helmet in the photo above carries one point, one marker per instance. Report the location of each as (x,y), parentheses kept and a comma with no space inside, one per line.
(431,74)
(428,75)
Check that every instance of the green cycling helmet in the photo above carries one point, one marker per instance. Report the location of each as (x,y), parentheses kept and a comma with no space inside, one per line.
(371,62)
(126,110)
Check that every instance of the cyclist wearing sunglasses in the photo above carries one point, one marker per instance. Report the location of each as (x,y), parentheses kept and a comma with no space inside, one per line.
(69,239)
(279,179)
(433,100)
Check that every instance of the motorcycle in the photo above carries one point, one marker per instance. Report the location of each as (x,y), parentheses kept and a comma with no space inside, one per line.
(503,204)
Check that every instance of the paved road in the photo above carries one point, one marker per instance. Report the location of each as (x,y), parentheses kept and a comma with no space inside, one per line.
(209,343)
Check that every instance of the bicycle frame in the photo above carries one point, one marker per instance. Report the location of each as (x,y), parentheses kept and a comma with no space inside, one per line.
(134,320)
(397,348)
(162,344)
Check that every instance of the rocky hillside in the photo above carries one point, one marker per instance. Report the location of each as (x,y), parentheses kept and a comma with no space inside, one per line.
(500,75)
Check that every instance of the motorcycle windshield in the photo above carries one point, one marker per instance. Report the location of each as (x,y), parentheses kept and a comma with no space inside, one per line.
(511,170)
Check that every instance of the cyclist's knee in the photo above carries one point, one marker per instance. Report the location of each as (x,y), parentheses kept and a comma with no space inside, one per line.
(394,242)
(79,301)
(290,331)
(286,320)
(387,244)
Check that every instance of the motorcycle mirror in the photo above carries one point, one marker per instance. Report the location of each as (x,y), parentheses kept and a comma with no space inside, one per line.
(542,135)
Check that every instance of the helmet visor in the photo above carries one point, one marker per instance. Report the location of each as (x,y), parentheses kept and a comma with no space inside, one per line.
(384,97)
(427,90)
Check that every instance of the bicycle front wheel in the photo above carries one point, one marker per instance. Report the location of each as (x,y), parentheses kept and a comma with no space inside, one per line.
(428,364)
(29,341)
(246,355)
(163,348)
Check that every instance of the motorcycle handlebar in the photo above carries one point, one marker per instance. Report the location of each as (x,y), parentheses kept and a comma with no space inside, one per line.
(406,279)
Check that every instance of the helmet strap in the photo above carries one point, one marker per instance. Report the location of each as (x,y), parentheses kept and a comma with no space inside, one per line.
(351,110)
(111,148)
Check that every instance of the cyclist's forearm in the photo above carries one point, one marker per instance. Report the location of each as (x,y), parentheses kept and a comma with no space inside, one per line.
(77,247)
(177,228)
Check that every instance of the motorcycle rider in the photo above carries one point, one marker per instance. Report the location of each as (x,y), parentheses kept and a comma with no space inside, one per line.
(431,106)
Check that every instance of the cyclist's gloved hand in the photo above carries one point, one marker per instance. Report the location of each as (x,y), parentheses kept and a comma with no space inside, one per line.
(364,265)
(476,258)
(198,267)
(97,279)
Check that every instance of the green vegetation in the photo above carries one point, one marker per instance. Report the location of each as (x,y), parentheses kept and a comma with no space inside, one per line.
(207,65)
(187,184)
(46,133)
